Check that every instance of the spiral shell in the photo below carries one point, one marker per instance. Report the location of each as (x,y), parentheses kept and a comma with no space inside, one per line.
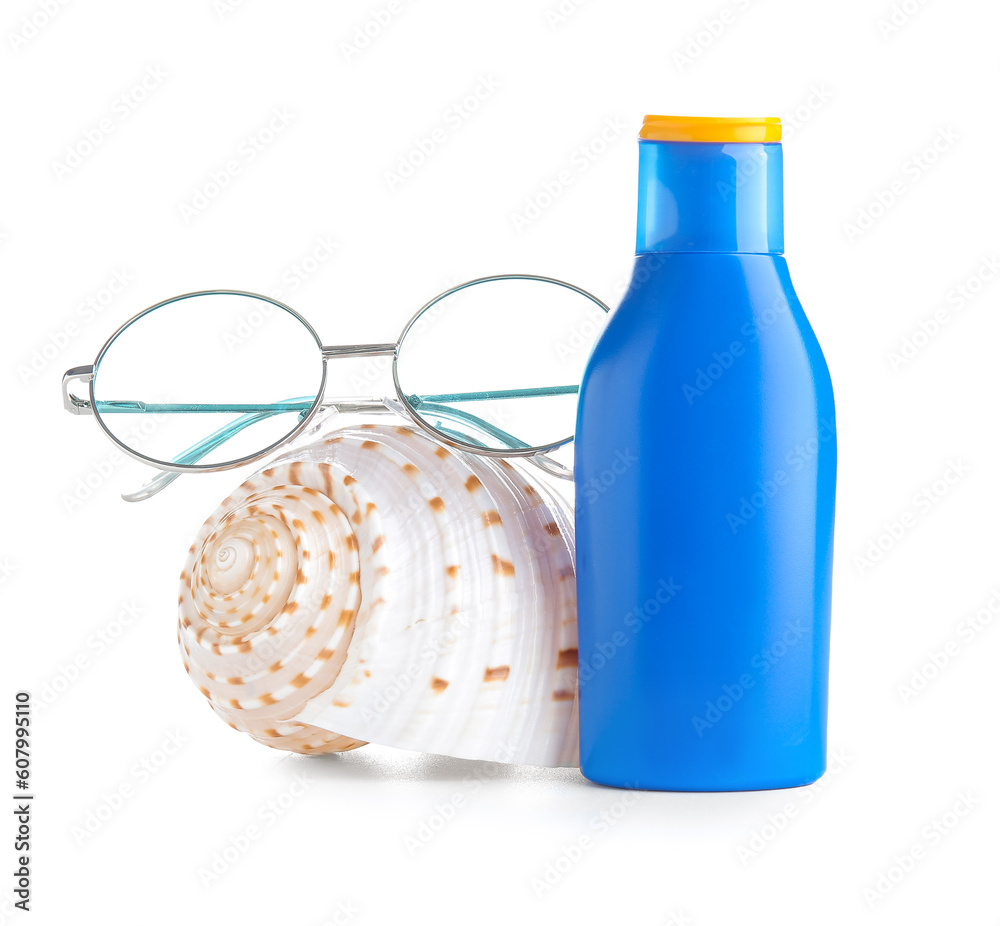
(381,587)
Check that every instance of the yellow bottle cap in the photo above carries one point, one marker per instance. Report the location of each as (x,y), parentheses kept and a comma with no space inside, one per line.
(711,129)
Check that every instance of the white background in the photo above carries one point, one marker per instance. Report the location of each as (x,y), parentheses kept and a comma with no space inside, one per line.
(860,103)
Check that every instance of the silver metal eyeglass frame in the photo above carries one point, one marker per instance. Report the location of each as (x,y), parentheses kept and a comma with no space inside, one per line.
(78,405)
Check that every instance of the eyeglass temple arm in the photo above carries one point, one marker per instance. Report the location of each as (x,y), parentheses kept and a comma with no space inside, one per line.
(196,452)
(446,411)
(193,454)
(541,460)
(254,413)
(135,406)
(418,400)
(78,405)
(81,406)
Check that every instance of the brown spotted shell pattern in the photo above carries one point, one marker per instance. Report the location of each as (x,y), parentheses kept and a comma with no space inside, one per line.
(378,587)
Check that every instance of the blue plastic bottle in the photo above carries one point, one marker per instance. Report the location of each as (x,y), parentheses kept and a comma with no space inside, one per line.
(705,471)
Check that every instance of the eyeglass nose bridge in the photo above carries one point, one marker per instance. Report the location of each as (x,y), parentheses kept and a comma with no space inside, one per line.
(73,403)
(358,350)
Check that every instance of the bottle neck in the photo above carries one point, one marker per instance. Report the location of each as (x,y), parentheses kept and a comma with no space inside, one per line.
(707,196)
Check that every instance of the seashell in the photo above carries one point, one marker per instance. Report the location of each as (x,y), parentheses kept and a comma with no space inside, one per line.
(378,587)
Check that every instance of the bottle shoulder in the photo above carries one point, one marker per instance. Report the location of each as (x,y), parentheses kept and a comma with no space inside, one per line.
(682,311)
(702,291)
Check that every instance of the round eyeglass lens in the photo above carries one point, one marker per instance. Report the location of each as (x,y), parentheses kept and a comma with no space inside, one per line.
(497,363)
(208,379)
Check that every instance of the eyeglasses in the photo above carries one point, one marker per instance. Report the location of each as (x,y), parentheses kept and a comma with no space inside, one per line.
(214,380)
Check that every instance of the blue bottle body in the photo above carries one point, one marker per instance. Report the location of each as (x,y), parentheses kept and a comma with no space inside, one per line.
(705,469)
